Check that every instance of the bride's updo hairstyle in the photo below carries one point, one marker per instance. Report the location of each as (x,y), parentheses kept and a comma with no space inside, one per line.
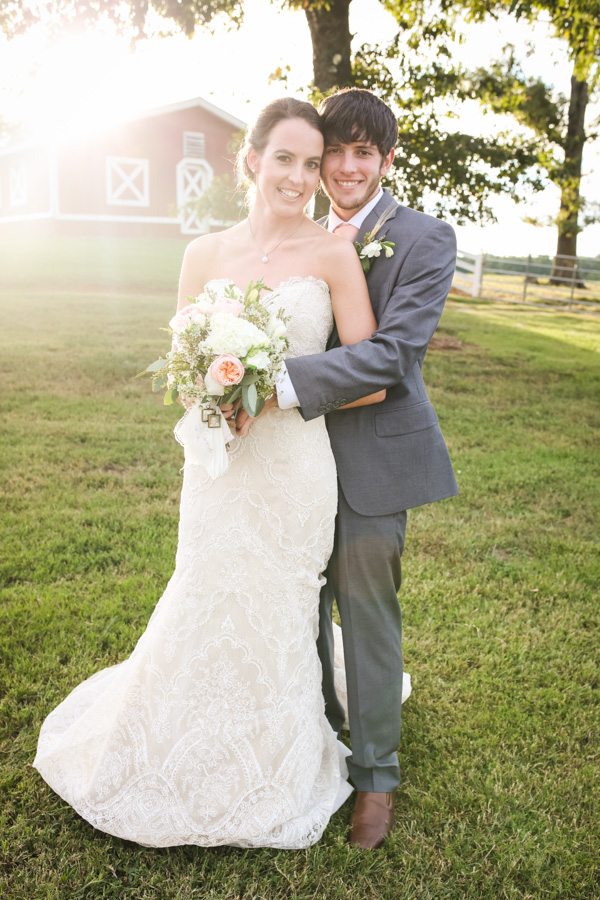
(257,136)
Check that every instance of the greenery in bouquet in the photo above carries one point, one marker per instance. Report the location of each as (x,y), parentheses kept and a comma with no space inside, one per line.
(227,345)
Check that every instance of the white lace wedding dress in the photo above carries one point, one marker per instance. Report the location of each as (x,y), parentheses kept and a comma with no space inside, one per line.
(213,731)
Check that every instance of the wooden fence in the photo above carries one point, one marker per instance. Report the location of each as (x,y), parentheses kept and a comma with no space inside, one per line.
(573,285)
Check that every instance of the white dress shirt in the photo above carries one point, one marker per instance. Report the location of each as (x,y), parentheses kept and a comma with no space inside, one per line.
(286,395)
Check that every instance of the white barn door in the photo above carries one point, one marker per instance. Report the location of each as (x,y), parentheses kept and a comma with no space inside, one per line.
(193,177)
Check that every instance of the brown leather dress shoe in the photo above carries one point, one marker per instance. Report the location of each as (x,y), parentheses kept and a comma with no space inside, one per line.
(372,819)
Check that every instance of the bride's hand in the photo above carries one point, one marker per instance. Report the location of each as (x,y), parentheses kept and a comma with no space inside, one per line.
(244,421)
(229,409)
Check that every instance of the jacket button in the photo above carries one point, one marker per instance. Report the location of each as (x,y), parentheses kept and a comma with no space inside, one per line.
(322,409)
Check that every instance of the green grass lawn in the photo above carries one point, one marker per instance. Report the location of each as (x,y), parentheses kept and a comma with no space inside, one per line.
(499,752)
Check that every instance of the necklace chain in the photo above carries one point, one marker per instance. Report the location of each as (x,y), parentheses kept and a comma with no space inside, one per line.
(267,253)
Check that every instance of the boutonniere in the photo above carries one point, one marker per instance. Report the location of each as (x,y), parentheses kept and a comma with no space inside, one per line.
(370,249)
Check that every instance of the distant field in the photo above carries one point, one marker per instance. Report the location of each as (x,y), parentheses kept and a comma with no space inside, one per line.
(91,264)
(501,604)
(496,285)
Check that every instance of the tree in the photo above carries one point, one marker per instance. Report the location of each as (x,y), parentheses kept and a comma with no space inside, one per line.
(451,173)
(558,122)
(444,171)
(329,25)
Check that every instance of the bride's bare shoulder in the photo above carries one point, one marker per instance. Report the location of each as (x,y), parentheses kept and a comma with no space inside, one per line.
(207,245)
(334,251)
(204,256)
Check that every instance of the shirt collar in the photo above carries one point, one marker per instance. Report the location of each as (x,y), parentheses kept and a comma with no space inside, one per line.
(358,218)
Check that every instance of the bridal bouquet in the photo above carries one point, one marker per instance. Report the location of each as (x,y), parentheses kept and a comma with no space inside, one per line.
(227,345)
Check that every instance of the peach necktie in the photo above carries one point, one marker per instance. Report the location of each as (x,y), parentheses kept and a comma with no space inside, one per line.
(348,232)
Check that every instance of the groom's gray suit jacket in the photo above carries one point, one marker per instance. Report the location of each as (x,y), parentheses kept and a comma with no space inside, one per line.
(390,456)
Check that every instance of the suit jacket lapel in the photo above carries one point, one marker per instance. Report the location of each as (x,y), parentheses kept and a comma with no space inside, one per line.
(368,225)
(371,220)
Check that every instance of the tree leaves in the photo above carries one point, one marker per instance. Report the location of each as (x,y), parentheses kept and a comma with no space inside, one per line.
(450,173)
(130,16)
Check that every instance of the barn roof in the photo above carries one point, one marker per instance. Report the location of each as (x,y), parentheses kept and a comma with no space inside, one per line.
(188,104)
(24,144)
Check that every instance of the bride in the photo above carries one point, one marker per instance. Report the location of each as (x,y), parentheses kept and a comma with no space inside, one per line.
(213,731)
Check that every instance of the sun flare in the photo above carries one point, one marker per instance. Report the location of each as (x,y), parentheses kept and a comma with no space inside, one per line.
(75,85)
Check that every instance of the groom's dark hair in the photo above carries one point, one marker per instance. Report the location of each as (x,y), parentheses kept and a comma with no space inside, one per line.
(353,114)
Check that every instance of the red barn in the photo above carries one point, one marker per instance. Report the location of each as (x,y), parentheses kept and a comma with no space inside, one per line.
(133,178)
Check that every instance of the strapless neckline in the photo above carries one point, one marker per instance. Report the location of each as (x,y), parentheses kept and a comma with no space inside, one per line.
(293,279)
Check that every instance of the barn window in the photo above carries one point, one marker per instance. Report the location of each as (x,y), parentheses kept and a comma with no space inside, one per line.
(127,181)
(194,145)
(17,185)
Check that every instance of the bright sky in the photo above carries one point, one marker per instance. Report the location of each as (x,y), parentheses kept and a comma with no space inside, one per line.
(80,83)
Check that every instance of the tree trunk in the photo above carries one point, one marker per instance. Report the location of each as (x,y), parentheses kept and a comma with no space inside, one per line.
(564,271)
(330,34)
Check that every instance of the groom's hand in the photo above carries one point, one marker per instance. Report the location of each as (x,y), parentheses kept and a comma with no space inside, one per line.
(243,421)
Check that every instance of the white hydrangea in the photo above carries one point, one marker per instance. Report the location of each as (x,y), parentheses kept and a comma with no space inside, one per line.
(229,334)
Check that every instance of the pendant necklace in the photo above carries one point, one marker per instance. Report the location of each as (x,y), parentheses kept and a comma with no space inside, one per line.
(266,253)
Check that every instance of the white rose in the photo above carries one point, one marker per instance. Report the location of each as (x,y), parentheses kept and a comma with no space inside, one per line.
(273,323)
(259,359)
(213,387)
(276,328)
(372,249)
(279,333)
(204,303)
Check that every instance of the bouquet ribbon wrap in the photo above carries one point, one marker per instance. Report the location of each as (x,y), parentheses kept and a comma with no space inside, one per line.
(204,446)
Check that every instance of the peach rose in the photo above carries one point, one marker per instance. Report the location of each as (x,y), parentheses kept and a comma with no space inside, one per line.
(223,371)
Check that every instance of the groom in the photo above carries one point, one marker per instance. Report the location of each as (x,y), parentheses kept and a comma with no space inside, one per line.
(390,456)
